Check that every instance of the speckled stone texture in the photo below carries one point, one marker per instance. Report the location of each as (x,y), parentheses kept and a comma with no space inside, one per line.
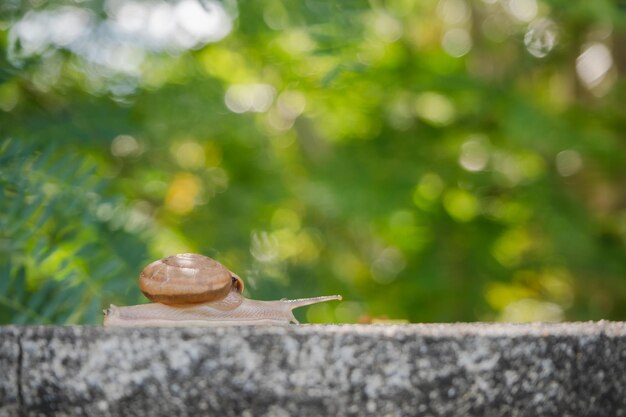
(9,368)
(576,369)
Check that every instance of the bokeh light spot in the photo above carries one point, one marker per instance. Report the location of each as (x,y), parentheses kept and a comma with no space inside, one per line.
(9,96)
(275,15)
(182,193)
(119,42)
(511,246)
(348,312)
(349,268)
(428,190)
(249,98)
(39,29)
(523,10)
(430,186)
(189,155)
(296,41)
(264,246)
(388,28)
(453,12)
(540,38)
(206,22)
(593,64)
(456,42)
(507,168)
(530,310)
(125,146)
(387,265)
(499,295)
(291,104)
(434,108)
(461,205)
(139,217)
(474,154)
(568,163)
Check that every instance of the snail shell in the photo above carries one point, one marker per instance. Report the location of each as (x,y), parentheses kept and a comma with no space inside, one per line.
(187,278)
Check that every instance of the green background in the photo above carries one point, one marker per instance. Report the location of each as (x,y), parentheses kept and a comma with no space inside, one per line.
(431,161)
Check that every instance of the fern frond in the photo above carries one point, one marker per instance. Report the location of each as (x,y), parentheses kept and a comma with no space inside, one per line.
(57,257)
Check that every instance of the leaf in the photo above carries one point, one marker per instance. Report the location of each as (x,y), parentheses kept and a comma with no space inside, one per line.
(41,295)
(17,290)
(27,213)
(42,250)
(331,75)
(46,213)
(5,276)
(61,301)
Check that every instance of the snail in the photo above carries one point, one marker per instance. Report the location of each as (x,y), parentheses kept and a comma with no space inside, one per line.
(195,290)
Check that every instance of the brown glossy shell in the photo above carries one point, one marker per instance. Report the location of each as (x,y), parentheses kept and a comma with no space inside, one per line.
(187,278)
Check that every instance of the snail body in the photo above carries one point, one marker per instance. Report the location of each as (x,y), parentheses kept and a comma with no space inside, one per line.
(194,290)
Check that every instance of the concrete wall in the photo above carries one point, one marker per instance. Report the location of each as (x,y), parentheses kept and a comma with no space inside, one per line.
(576,369)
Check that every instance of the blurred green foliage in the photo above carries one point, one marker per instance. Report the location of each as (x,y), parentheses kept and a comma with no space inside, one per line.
(444,160)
